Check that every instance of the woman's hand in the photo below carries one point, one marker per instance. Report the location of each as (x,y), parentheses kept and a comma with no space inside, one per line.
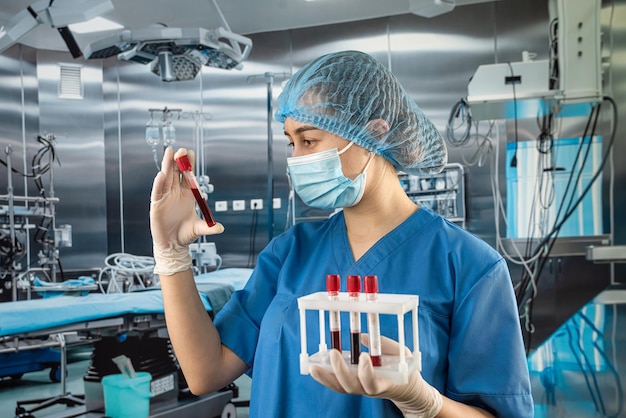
(174,223)
(415,399)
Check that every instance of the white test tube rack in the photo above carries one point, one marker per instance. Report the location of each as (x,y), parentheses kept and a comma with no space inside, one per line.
(397,368)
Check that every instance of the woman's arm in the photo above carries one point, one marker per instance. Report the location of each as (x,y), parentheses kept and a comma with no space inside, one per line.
(174,224)
(206,363)
(454,409)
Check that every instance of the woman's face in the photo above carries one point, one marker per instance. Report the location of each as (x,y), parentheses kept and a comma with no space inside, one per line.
(306,139)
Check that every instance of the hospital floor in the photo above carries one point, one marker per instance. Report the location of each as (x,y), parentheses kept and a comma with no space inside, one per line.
(37,385)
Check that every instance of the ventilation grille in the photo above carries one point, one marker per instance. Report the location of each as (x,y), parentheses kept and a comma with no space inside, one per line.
(70,81)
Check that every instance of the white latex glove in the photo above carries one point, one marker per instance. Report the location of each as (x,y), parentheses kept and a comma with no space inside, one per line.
(174,222)
(415,399)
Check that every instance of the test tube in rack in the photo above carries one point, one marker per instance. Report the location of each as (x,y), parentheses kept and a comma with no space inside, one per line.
(354,291)
(332,287)
(394,367)
(373,321)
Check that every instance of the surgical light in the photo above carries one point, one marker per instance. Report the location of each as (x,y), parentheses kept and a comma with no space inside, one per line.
(176,54)
(164,66)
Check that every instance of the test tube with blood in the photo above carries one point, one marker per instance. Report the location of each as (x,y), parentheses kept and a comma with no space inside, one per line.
(185,168)
(354,290)
(373,324)
(332,287)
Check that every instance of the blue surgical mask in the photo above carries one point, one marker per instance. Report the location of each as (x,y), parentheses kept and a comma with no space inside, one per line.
(320,183)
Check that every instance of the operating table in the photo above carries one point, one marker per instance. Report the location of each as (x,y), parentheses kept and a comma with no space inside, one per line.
(119,323)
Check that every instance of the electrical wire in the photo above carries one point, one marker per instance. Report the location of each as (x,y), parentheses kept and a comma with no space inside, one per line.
(483,145)
(514,159)
(554,55)
(536,274)
(460,110)
(41,163)
(500,210)
(575,351)
(544,247)
(483,142)
(546,253)
(125,272)
(595,112)
(38,170)
(545,195)
(10,250)
(610,365)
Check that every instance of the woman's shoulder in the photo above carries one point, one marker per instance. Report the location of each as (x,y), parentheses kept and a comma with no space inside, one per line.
(462,236)
(466,254)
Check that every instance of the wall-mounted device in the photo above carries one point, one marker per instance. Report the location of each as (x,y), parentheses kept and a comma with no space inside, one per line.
(572,74)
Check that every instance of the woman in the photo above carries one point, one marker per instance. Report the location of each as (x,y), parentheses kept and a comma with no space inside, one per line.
(352,127)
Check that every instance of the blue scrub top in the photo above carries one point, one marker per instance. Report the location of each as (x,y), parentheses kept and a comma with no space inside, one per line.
(469,331)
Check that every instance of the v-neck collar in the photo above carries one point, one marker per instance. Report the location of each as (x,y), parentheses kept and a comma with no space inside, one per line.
(382,248)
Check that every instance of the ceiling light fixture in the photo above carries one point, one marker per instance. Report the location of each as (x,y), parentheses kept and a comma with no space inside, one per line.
(97,24)
(176,54)
(431,8)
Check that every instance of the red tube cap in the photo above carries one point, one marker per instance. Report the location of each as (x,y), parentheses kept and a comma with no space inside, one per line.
(371,284)
(332,283)
(183,163)
(354,284)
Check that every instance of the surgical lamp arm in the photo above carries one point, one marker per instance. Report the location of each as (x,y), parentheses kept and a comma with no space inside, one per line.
(236,41)
(17,27)
(57,14)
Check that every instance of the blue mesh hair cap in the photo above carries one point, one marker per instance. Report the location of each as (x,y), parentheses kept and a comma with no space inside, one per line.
(352,95)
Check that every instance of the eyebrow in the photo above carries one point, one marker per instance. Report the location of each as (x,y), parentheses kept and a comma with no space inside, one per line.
(303,128)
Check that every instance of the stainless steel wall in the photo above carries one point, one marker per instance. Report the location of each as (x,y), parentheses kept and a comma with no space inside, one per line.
(19,126)
(31,106)
(19,113)
(106,159)
(79,178)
